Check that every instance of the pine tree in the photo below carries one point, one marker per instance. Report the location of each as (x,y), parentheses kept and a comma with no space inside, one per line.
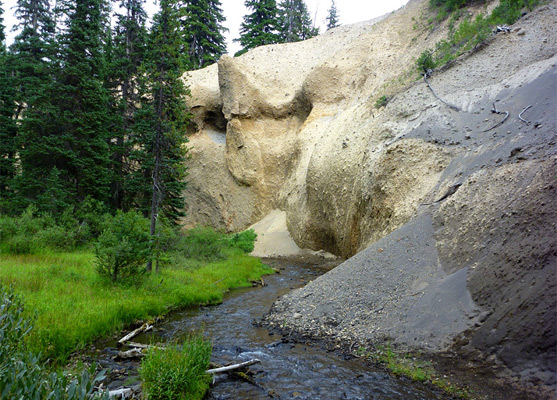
(31,64)
(295,21)
(160,128)
(126,55)
(261,27)
(332,17)
(32,49)
(8,130)
(203,31)
(2,27)
(70,127)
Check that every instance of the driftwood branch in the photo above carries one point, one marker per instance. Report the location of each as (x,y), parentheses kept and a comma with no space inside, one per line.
(132,353)
(439,98)
(143,328)
(495,111)
(233,367)
(124,393)
(144,346)
(138,350)
(522,112)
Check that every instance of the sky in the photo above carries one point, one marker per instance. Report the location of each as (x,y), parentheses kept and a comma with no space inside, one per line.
(349,11)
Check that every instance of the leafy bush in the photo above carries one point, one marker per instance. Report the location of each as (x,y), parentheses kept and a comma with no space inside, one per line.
(425,62)
(509,11)
(33,232)
(18,233)
(203,243)
(124,247)
(448,5)
(381,101)
(177,372)
(22,376)
(19,244)
(244,241)
(206,244)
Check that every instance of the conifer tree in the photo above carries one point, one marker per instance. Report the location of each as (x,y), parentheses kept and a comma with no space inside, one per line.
(261,27)
(332,18)
(70,129)
(128,51)
(160,128)
(295,21)
(203,31)
(2,27)
(8,129)
(31,65)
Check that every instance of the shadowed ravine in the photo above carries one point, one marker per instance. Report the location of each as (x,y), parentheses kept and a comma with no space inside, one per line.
(287,370)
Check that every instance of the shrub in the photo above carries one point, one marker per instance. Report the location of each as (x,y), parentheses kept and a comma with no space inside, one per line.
(57,238)
(32,232)
(448,5)
(20,244)
(425,62)
(381,101)
(93,215)
(177,372)
(206,244)
(509,11)
(244,241)
(203,244)
(124,247)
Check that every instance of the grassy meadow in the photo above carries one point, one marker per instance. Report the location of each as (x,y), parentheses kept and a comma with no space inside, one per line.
(72,305)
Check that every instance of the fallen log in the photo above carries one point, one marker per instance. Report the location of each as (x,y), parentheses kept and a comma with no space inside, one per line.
(124,393)
(233,366)
(138,345)
(144,346)
(143,328)
(132,353)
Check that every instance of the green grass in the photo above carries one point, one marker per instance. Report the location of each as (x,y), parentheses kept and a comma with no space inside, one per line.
(73,305)
(177,372)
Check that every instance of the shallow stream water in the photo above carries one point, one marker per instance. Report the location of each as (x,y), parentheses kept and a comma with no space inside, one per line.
(287,370)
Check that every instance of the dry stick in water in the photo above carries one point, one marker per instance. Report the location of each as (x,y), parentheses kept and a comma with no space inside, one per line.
(232,367)
(132,353)
(143,328)
(124,393)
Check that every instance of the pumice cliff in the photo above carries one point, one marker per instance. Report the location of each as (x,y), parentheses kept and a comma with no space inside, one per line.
(471,270)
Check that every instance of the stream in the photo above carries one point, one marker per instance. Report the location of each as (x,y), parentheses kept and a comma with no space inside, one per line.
(287,370)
